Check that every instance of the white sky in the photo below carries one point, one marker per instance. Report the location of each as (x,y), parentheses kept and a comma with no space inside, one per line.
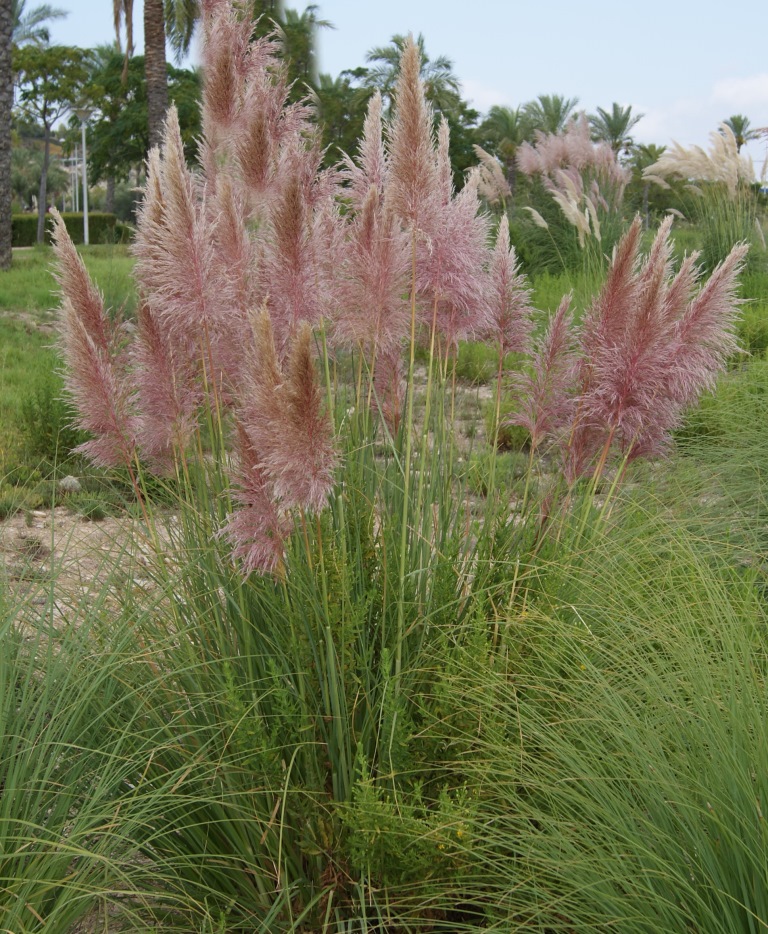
(685,64)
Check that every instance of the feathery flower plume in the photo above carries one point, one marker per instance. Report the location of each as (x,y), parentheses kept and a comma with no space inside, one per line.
(412,178)
(256,529)
(234,266)
(723,163)
(100,396)
(444,172)
(705,334)
(282,414)
(606,319)
(370,169)
(271,133)
(389,387)
(450,266)
(627,356)
(492,184)
(79,294)
(545,393)
(94,380)
(171,236)
(290,270)
(167,398)
(224,53)
(302,458)
(651,345)
(509,298)
(373,311)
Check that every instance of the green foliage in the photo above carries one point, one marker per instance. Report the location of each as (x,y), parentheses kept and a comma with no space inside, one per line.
(102,228)
(26,171)
(47,419)
(615,127)
(118,134)
(341,106)
(508,437)
(49,83)
(551,249)
(509,466)
(634,794)
(726,220)
(50,80)
(64,844)
(550,113)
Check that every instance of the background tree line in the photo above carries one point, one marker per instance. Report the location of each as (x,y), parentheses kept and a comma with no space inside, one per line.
(127,96)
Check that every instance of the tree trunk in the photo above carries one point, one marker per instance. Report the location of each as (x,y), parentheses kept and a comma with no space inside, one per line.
(6,103)
(109,200)
(42,198)
(646,212)
(512,179)
(155,68)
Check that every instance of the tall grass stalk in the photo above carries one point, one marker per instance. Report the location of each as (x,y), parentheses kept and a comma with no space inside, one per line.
(634,793)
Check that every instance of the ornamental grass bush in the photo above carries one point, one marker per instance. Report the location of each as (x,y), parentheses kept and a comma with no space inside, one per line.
(334,685)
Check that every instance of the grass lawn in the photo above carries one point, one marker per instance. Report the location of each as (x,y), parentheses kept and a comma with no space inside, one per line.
(28,360)
(29,285)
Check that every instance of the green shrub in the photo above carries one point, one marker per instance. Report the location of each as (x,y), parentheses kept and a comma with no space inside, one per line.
(89,507)
(102,228)
(634,796)
(47,420)
(753,331)
(513,438)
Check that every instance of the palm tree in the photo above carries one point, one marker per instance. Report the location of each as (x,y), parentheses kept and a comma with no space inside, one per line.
(550,112)
(502,131)
(615,127)
(28,25)
(341,107)
(739,124)
(441,86)
(6,106)
(299,46)
(643,157)
(180,15)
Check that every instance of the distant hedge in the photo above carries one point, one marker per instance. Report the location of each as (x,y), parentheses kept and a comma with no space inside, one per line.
(102,228)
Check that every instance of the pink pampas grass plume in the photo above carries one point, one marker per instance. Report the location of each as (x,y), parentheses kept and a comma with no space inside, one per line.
(300,259)
(651,345)
(79,294)
(705,334)
(302,462)
(271,132)
(607,318)
(389,386)
(413,173)
(546,392)
(509,298)
(370,168)
(167,398)
(94,378)
(373,311)
(256,529)
(283,416)
(173,247)
(628,354)
(100,396)
(450,266)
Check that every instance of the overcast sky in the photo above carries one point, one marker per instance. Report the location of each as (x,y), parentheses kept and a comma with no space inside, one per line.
(685,65)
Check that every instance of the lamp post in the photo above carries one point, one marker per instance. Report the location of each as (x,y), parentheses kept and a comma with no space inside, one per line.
(74,164)
(84,114)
